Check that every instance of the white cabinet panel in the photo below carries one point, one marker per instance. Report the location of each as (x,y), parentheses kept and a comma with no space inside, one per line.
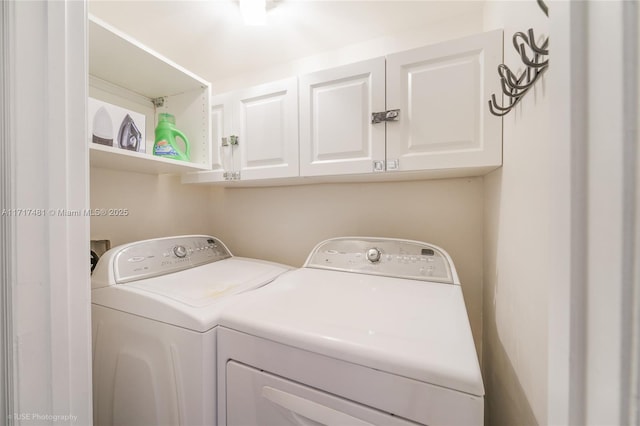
(331,104)
(217,132)
(264,119)
(221,126)
(442,93)
(336,136)
(267,120)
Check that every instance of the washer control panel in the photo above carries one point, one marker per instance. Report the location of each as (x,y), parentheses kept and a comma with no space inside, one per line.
(162,256)
(384,256)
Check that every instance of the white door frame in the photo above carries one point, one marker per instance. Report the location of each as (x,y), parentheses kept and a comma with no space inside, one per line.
(566,311)
(593,298)
(45,296)
(6,226)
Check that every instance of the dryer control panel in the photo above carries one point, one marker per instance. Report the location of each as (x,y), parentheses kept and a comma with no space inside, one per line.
(161,256)
(384,256)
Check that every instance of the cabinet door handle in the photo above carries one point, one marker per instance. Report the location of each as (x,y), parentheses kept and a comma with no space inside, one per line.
(231,140)
(389,115)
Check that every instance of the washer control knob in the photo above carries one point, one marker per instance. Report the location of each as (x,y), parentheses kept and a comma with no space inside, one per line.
(180,251)
(373,255)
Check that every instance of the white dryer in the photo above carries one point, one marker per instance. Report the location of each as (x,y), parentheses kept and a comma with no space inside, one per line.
(155,311)
(369,331)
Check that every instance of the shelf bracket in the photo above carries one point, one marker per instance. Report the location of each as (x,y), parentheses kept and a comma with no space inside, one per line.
(158,102)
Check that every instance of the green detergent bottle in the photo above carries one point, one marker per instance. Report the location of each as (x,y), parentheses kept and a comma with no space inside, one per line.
(166,144)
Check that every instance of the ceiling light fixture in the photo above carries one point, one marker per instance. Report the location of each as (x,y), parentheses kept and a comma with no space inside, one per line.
(254,12)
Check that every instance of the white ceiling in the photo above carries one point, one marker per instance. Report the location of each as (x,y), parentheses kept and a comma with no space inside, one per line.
(209,38)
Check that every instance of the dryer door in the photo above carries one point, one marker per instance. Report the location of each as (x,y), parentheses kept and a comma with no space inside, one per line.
(257,397)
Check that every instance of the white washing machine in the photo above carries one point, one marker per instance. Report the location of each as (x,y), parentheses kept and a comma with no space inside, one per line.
(370,331)
(155,311)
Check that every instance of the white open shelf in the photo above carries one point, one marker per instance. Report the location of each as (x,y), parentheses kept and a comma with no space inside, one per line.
(126,73)
(120,159)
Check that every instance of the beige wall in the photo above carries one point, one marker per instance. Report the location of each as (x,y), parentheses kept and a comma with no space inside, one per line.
(158,206)
(516,245)
(447,29)
(283,224)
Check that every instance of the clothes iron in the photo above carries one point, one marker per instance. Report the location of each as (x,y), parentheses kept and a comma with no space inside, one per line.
(129,137)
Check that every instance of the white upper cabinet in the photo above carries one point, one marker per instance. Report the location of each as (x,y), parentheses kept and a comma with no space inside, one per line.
(421,113)
(335,108)
(439,93)
(442,92)
(266,117)
(254,133)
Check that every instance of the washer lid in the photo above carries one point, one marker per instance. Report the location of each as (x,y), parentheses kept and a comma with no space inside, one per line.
(412,328)
(192,298)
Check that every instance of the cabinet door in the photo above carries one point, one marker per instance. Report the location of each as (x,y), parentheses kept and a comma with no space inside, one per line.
(221,127)
(442,92)
(267,120)
(336,134)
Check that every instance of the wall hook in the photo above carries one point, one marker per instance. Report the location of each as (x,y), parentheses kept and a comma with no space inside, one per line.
(544,7)
(536,60)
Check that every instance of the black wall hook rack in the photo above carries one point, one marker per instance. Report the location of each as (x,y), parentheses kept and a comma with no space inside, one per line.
(536,59)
